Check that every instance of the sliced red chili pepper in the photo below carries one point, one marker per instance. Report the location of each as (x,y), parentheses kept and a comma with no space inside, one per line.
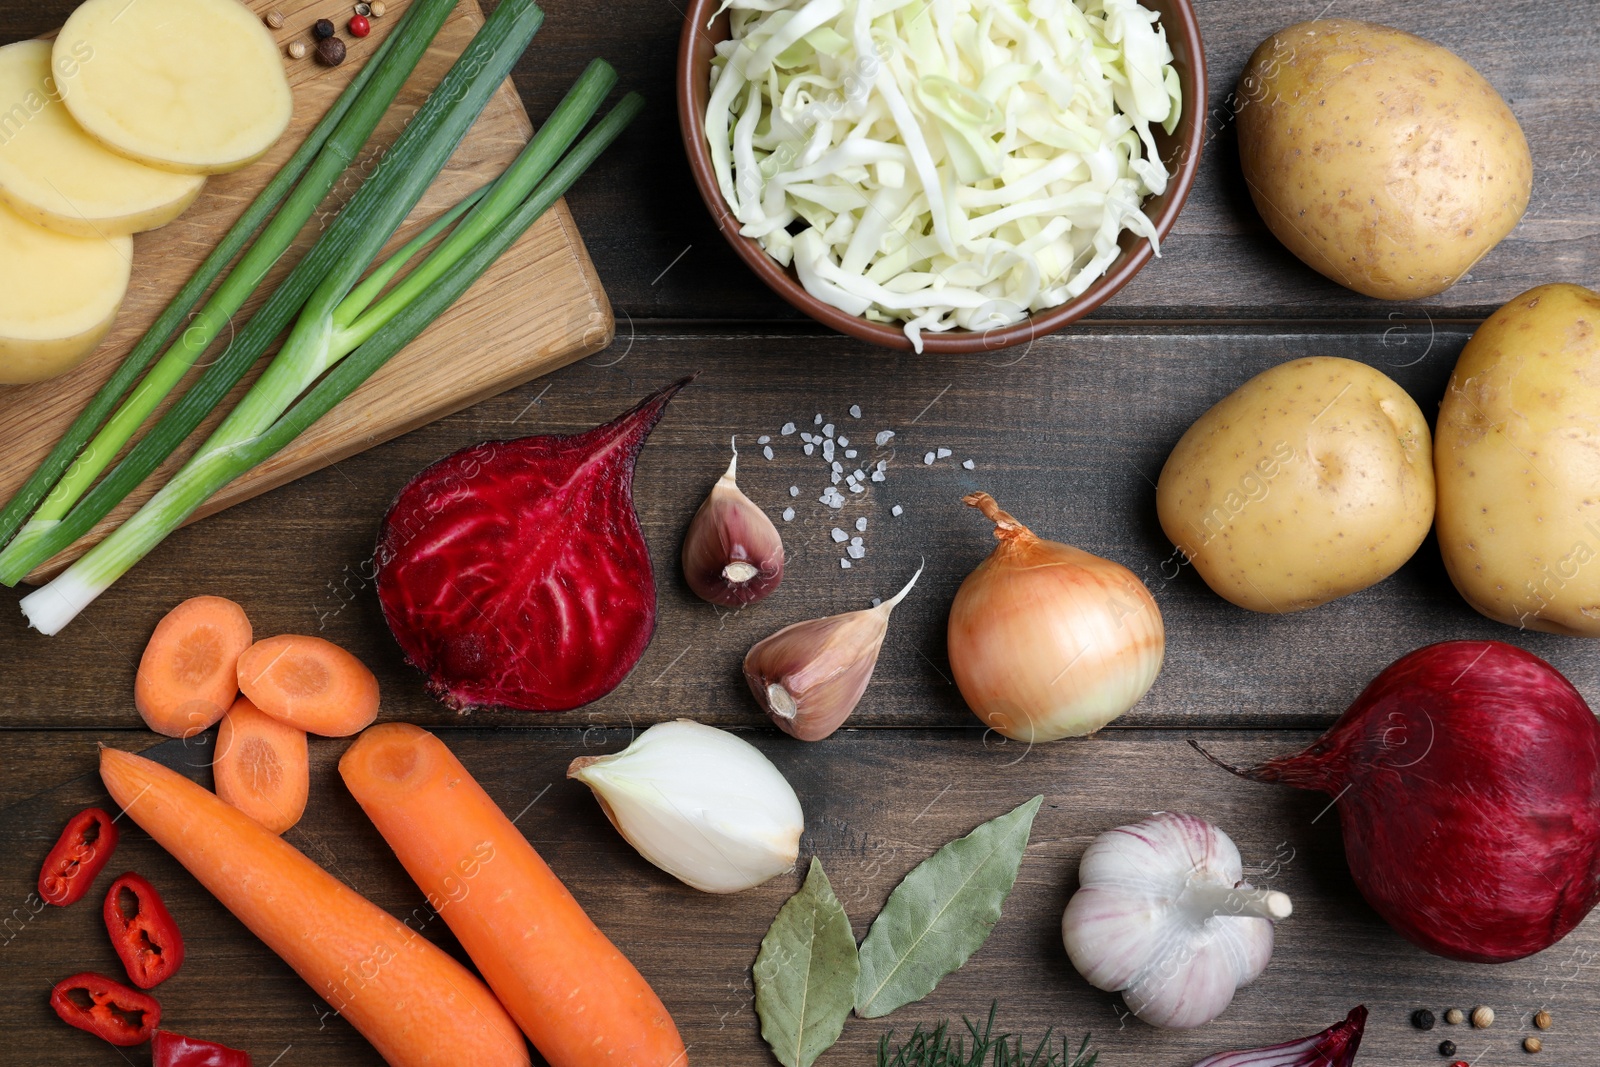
(82,850)
(175,1050)
(106,1008)
(142,931)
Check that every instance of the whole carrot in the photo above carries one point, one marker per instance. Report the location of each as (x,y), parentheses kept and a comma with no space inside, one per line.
(569,988)
(417,1006)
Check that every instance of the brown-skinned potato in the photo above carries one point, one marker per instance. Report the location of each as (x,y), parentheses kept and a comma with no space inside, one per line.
(1517,463)
(1381,160)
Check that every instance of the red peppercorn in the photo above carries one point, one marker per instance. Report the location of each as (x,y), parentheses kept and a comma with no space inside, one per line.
(359,26)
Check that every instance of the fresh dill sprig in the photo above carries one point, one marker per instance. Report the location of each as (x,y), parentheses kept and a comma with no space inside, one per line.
(939,1048)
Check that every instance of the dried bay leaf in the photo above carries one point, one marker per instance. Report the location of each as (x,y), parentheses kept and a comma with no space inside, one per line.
(806,973)
(941,913)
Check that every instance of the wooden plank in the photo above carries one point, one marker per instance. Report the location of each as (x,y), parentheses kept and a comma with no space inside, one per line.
(540,307)
(1070,438)
(876,803)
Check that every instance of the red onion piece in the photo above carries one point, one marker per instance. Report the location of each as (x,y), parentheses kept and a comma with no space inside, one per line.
(514,573)
(1334,1047)
(1467,777)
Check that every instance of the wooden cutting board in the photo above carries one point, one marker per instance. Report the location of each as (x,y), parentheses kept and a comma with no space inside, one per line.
(539,308)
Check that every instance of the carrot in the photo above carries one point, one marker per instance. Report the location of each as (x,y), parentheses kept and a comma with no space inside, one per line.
(309,683)
(417,1006)
(186,678)
(262,766)
(562,980)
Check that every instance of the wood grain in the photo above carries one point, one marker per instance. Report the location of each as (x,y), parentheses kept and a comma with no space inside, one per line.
(540,307)
(1070,437)
(876,804)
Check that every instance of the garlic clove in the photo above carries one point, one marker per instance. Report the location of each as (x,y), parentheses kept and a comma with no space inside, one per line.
(700,803)
(732,554)
(810,676)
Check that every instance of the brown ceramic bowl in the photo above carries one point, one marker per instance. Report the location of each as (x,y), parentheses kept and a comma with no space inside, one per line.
(1180,151)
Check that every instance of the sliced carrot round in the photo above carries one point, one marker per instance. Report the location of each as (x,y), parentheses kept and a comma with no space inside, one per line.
(309,683)
(187,676)
(262,767)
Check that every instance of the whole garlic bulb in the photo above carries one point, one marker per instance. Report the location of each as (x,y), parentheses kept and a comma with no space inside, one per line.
(1163,915)
(700,803)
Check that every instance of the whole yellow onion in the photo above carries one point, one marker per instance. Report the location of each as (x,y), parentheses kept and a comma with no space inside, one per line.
(1049,641)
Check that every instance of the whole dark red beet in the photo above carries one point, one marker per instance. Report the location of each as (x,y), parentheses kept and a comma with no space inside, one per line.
(1468,783)
(514,573)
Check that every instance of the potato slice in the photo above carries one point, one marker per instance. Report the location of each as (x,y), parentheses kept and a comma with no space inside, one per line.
(53,173)
(58,296)
(195,86)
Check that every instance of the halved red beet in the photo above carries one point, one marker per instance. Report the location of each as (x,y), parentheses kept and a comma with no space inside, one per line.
(514,573)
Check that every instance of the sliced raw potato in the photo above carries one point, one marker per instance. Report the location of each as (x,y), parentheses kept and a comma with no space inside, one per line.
(189,85)
(53,173)
(58,296)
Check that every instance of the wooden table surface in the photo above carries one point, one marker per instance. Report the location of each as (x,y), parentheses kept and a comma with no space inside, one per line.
(1068,433)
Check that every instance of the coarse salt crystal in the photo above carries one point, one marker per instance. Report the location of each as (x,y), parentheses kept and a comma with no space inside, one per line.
(827,451)
(855,411)
(883,437)
(767,451)
(856,551)
(849,453)
(839,535)
(858,489)
(788,514)
(879,476)
(763,440)
(827,431)
(883,464)
(837,478)
(859,474)
(838,468)
(807,438)
(788,428)
(897,510)
(877,601)
(944,453)
(810,449)
(928,459)
(855,540)
(967,463)
(844,442)
(794,490)
(844,564)
(817,421)
(861,523)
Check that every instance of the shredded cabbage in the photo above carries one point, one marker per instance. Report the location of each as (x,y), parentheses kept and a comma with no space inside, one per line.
(941,163)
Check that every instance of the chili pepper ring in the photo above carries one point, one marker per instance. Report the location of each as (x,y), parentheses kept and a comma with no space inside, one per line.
(142,931)
(106,1008)
(85,846)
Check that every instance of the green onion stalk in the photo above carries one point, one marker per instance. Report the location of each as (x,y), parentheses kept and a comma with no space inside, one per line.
(299,186)
(321,278)
(354,333)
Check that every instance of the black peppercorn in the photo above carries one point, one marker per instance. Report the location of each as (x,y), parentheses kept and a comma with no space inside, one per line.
(330,50)
(1447,1048)
(1422,1019)
(322,30)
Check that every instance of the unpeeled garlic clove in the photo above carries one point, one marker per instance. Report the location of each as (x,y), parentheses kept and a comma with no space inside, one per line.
(809,677)
(700,803)
(732,554)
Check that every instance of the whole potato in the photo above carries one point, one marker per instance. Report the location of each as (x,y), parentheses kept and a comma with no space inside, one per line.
(1312,480)
(1383,161)
(1518,464)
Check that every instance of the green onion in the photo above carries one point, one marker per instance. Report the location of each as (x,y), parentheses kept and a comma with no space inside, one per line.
(374,330)
(320,159)
(321,278)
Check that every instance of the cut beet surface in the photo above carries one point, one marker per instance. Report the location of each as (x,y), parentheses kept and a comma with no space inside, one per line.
(515,574)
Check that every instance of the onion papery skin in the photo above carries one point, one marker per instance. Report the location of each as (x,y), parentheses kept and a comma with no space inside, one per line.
(1467,777)
(1047,641)
(1334,1047)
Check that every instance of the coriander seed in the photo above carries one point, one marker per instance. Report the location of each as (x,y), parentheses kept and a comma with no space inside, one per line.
(379,9)
(297,49)
(1483,1016)
(1422,1019)
(322,30)
(330,51)
(1532,1044)
(1541,1019)
(275,19)
(1453,1016)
